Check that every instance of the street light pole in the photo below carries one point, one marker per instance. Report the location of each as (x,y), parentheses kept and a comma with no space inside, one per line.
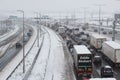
(100,5)
(23,42)
(84,15)
(40,23)
(37,27)
(99,18)
(113,36)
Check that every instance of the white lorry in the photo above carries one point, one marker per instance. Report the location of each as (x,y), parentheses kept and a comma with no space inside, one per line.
(96,41)
(61,31)
(82,61)
(111,53)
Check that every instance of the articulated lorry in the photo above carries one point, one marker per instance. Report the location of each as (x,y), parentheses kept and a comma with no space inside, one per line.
(82,61)
(111,53)
(96,41)
(61,31)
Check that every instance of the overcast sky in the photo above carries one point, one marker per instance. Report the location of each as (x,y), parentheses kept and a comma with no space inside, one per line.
(110,6)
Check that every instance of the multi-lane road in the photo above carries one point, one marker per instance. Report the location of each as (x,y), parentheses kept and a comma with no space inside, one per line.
(11,50)
(54,54)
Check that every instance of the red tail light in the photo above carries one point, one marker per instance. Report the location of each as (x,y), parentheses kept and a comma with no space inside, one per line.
(89,70)
(80,71)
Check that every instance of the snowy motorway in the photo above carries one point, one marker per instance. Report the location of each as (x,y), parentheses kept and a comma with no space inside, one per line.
(12,65)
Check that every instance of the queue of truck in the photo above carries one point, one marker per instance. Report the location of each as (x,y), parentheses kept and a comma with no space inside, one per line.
(82,61)
(84,55)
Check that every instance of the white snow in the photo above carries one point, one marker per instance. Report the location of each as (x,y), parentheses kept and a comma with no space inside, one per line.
(113,44)
(97,36)
(81,49)
(55,62)
(5,36)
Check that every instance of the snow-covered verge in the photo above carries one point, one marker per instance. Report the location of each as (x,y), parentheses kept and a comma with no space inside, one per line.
(18,74)
(51,66)
(10,33)
(38,71)
(17,59)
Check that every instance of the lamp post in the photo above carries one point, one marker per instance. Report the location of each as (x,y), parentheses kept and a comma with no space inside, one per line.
(84,15)
(37,18)
(100,5)
(23,42)
(40,23)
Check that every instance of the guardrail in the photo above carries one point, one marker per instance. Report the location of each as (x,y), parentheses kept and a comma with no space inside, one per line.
(34,61)
(48,55)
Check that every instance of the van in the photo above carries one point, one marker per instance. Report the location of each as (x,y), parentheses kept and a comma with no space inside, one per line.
(97,60)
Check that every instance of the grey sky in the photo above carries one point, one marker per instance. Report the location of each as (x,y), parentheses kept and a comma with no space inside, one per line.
(59,5)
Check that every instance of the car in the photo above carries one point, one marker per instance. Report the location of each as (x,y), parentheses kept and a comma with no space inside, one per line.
(102,29)
(82,33)
(106,71)
(95,30)
(104,32)
(84,37)
(92,51)
(97,60)
(68,41)
(110,32)
(18,45)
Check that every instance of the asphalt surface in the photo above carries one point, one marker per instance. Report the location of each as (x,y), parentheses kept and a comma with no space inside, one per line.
(12,51)
(8,57)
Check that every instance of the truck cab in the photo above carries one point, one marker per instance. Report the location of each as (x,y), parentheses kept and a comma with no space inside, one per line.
(97,60)
(82,61)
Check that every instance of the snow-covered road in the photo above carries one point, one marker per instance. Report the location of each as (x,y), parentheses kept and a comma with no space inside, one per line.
(50,65)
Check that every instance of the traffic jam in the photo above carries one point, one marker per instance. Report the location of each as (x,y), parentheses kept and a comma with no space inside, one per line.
(94,56)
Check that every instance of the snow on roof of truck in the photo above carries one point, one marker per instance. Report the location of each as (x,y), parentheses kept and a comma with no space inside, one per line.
(61,27)
(97,36)
(81,49)
(107,66)
(113,44)
(102,79)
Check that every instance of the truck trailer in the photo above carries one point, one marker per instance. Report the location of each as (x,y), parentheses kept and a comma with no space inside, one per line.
(111,53)
(61,31)
(82,61)
(96,41)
